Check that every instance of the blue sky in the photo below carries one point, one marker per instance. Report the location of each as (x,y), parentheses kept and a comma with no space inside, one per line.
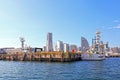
(68,20)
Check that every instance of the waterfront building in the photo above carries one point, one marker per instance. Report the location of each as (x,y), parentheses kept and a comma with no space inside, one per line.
(79,49)
(60,46)
(73,48)
(44,48)
(107,48)
(66,47)
(13,50)
(2,51)
(49,43)
(119,50)
(84,44)
(5,50)
(115,50)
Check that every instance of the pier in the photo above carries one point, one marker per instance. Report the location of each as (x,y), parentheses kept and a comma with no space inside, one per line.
(42,56)
(114,55)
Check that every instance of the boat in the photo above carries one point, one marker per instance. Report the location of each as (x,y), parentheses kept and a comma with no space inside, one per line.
(96,51)
(92,57)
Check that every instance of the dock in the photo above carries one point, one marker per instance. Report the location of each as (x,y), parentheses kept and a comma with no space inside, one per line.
(42,56)
(114,55)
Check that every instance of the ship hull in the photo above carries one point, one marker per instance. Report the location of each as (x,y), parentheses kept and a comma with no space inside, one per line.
(93,57)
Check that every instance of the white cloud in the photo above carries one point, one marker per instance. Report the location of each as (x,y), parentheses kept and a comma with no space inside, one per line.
(116,21)
(116,27)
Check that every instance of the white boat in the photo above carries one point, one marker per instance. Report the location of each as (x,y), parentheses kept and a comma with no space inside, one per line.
(92,57)
(97,50)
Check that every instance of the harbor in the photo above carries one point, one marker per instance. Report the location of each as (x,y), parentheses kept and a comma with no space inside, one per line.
(63,52)
(59,40)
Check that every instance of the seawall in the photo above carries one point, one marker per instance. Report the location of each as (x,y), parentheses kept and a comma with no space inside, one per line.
(42,56)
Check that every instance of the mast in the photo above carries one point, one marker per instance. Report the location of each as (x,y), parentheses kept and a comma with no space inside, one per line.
(22,40)
(98,37)
(97,45)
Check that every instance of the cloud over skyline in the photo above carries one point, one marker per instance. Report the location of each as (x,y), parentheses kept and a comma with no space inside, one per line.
(115,27)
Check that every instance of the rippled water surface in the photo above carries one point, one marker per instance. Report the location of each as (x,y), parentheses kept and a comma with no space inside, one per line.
(108,69)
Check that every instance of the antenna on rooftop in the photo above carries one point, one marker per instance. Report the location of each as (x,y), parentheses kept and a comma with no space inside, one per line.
(22,40)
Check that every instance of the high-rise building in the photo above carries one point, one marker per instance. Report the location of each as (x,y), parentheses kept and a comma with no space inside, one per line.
(49,43)
(84,44)
(66,47)
(60,46)
(73,48)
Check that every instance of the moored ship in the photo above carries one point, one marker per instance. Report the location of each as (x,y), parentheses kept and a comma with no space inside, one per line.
(96,51)
(92,57)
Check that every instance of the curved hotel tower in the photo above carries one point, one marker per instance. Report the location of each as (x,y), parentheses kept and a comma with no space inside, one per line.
(84,44)
(49,43)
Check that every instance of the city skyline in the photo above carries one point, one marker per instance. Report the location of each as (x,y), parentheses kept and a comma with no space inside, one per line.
(68,20)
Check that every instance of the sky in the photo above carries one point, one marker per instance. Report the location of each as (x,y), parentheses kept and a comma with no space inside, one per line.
(68,20)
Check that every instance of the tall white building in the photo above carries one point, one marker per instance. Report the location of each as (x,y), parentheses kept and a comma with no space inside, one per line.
(84,44)
(60,46)
(49,43)
(66,47)
(73,47)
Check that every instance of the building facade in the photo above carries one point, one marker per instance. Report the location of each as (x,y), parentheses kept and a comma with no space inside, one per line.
(73,48)
(115,50)
(44,48)
(84,44)
(60,46)
(66,47)
(14,50)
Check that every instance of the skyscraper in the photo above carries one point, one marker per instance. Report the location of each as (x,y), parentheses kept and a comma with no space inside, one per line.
(84,44)
(66,47)
(60,46)
(49,43)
